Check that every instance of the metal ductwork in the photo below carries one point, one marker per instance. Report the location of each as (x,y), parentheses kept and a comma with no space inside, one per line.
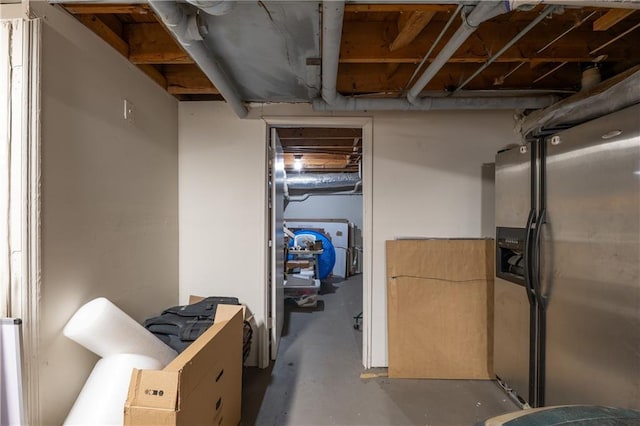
(609,96)
(214,7)
(436,103)
(177,21)
(309,181)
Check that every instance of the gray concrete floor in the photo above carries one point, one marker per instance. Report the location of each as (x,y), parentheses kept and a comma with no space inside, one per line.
(316,378)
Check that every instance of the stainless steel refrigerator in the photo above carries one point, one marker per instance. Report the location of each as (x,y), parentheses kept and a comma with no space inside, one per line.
(567,289)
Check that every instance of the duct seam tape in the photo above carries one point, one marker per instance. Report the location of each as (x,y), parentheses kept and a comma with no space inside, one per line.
(101,327)
(103,396)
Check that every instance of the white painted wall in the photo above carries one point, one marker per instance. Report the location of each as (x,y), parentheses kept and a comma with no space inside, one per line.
(222,207)
(109,197)
(427,181)
(327,207)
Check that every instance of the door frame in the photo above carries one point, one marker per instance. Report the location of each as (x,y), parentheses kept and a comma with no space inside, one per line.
(20,192)
(275,279)
(366,124)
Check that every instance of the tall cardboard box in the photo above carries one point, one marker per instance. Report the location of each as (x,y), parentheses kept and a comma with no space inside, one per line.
(201,386)
(440,308)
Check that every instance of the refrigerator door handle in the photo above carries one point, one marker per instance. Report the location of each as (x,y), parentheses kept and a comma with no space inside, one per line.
(542,316)
(535,282)
(528,257)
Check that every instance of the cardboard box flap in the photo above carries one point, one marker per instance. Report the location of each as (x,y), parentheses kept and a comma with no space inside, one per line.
(206,358)
(140,416)
(223,314)
(153,389)
(226,312)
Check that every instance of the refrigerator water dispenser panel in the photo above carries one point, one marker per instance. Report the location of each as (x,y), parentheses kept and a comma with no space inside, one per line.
(510,252)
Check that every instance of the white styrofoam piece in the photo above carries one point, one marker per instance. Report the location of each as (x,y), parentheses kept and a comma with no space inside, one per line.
(104,329)
(102,398)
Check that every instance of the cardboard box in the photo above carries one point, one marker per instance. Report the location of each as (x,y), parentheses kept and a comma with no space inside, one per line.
(201,386)
(440,308)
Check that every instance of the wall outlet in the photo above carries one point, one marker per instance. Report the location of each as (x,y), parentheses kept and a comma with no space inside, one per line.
(129,111)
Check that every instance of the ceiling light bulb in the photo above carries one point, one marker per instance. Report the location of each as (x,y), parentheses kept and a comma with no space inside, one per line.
(297,162)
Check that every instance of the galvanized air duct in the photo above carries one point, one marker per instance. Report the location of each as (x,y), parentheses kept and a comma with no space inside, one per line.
(609,96)
(309,181)
(176,20)
(214,7)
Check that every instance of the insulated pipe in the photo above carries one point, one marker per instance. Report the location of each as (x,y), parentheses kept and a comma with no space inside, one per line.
(322,181)
(482,12)
(426,104)
(332,17)
(609,96)
(176,20)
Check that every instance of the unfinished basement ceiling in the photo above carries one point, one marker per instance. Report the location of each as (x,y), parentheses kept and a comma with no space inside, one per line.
(271,50)
(321,149)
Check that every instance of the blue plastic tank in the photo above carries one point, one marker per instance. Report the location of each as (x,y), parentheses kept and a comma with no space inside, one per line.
(327,259)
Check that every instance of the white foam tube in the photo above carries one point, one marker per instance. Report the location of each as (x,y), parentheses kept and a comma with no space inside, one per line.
(102,398)
(104,329)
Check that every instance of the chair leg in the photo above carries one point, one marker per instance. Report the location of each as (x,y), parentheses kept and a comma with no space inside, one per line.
(357,320)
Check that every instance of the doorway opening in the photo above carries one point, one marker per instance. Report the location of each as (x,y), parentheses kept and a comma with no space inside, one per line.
(317,196)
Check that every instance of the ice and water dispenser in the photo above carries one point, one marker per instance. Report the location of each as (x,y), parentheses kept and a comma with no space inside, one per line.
(510,252)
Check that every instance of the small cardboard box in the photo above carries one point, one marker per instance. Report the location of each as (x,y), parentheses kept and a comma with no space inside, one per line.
(201,386)
(440,308)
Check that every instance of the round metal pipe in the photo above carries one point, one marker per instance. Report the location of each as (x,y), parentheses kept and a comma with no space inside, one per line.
(332,17)
(176,20)
(436,103)
(546,12)
(482,12)
(434,44)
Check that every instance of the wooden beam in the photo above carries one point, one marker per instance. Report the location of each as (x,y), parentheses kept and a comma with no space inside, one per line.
(350,168)
(366,42)
(98,9)
(386,8)
(318,133)
(316,143)
(372,79)
(105,32)
(155,74)
(114,23)
(188,80)
(150,43)
(611,18)
(318,150)
(410,27)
